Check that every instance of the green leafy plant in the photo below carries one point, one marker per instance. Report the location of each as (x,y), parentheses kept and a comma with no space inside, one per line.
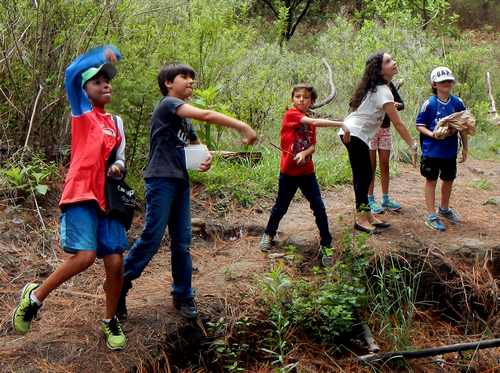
(323,307)
(426,12)
(326,307)
(207,99)
(277,285)
(225,352)
(33,176)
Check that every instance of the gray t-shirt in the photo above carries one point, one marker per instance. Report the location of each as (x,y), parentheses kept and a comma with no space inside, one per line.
(168,136)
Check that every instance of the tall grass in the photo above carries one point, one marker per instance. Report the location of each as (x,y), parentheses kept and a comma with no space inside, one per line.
(392,291)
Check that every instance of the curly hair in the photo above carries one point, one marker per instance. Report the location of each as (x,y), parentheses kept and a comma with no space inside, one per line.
(372,77)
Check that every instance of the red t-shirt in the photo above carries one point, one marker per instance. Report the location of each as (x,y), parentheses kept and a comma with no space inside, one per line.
(296,137)
(93,137)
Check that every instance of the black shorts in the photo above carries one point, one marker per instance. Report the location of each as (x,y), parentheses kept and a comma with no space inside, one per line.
(432,168)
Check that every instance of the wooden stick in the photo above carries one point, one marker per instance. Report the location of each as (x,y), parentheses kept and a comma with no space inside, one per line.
(281,150)
(38,210)
(32,118)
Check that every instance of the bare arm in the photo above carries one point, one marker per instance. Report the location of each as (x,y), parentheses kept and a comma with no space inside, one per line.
(209,116)
(321,122)
(425,131)
(465,140)
(328,123)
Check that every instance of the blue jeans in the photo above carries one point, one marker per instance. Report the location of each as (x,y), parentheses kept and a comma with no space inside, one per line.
(308,185)
(167,204)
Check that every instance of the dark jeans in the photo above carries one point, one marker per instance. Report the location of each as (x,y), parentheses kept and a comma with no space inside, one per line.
(359,156)
(309,187)
(168,204)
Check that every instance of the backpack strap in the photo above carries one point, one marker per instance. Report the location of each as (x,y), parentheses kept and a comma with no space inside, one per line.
(112,156)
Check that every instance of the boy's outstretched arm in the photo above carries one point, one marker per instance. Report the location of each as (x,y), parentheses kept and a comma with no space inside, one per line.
(328,123)
(209,116)
(322,122)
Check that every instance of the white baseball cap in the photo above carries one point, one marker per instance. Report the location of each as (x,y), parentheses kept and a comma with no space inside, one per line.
(440,74)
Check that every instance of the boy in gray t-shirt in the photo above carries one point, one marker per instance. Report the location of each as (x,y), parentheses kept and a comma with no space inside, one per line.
(169,135)
(167,185)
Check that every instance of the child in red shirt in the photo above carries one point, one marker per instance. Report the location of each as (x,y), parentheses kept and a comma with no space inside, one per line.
(86,230)
(298,139)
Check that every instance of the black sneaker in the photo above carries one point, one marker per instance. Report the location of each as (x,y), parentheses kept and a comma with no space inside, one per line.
(121,309)
(187,308)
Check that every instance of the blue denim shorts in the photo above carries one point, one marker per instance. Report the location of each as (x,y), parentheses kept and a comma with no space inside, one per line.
(82,228)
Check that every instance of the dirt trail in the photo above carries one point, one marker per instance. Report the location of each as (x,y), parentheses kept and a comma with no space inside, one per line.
(66,337)
(478,229)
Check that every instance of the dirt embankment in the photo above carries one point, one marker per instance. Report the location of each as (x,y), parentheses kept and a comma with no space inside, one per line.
(463,265)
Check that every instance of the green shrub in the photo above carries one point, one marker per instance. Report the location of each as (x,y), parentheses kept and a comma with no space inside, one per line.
(23,178)
(325,306)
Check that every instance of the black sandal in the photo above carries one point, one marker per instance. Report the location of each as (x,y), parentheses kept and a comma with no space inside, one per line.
(381,224)
(364,229)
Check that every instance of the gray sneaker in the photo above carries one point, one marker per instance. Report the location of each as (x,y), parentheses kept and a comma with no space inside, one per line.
(266,242)
(449,214)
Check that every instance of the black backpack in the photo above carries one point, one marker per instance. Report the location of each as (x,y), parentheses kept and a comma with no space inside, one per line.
(120,197)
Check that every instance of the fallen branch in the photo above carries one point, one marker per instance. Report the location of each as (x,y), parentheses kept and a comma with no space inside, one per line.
(432,351)
(79,294)
(333,90)
(253,157)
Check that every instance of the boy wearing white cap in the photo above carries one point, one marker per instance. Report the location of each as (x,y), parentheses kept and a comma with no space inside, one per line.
(439,157)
